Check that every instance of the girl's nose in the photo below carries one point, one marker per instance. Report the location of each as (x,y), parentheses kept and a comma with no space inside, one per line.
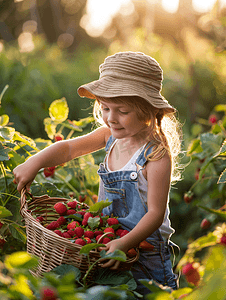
(112,117)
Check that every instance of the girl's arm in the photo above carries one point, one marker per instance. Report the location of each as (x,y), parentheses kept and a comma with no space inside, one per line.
(158,177)
(58,153)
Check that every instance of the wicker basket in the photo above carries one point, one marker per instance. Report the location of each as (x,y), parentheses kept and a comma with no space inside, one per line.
(52,249)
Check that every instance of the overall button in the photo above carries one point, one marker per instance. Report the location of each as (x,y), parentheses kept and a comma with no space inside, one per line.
(133,175)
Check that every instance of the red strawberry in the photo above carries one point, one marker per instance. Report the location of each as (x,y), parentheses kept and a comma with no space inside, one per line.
(40,219)
(58,232)
(82,198)
(98,232)
(112,221)
(72,204)
(87,215)
(66,235)
(192,275)
(105,240)
(131,252)
(80,242)
(71,212)
(223,240)
(60,208)
(205,224)
(58,137)
(111,230)
(71,232)
(81,212)
(61,221)
(89,234)
(48,293)
(212,119)
(88,240)
(2,242)
(188,196)
(72,225)
(49,172)
(84,222)
(1,224)
(98,237)
(124,232)
(119,231)
(79,231)
(188,269)
(53,225)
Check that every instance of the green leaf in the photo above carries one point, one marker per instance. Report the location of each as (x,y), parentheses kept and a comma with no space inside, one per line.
(210,142)
(222,178)
(21,259)
(4,153)
(24,139)
(87,248)
(4,120)
(86,160)
(98,207)
(18,233)
(105,276)
(4,212)
(219,213)
(194,146)
(64,269)
(83,122)
(50,127)
(117,255)
(7,133)
(222,150)
(93,222)
(204,241)
(59,110)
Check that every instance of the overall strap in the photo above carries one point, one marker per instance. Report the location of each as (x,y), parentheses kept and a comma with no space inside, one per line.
(109,143)
(142,158)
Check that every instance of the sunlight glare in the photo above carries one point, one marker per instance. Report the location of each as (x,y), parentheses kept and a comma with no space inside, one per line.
(170,6)
(203,6)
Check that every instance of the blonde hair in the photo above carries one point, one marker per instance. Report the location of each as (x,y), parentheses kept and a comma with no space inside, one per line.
(165,129)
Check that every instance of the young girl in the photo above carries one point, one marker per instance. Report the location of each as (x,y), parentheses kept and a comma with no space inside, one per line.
(140,134)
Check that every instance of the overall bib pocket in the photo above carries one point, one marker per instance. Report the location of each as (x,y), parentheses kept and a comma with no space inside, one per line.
(119,206)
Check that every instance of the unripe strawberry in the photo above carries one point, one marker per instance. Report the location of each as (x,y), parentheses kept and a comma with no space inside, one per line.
(112,221)
(95,198)
(80,242)
(60,208)
(223,240)
(48,293)
(205,224)
(110,230)
(89,234)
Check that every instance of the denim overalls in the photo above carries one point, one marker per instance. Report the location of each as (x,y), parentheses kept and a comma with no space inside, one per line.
(121,187)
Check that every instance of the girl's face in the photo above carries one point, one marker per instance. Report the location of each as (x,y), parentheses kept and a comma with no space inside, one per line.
(122,119)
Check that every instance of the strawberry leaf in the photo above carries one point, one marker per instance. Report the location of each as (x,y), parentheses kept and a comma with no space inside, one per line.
(117,255)
(98,207)
(93,222)
(87,248)
(219,213)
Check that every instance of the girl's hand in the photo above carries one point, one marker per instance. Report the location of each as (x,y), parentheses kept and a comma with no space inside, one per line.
(111,247)
(24,174)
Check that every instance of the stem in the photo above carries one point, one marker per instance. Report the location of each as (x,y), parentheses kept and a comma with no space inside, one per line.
(4,174)
(67,183)
(69,135)
(201,179)
(90,268)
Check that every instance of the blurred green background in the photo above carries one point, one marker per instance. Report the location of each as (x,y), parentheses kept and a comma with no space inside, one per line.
(49,48)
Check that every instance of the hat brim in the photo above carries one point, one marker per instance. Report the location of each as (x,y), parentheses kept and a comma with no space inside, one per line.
(110,86)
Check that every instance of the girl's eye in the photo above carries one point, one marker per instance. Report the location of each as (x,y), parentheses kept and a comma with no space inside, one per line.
(124,112)
(105,108)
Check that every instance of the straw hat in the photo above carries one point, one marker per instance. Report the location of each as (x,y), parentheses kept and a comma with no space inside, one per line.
(128,74)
